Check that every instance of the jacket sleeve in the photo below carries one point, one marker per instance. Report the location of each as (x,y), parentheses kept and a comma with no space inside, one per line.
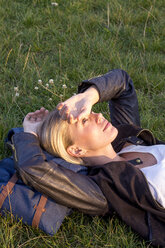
(116,87)
(63,185)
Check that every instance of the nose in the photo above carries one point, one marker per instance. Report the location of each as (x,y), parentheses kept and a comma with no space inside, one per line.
(98,117)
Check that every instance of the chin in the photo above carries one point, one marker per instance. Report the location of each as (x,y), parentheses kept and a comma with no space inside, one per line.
(114,133)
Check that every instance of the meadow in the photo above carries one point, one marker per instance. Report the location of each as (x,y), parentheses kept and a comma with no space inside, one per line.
(69,41)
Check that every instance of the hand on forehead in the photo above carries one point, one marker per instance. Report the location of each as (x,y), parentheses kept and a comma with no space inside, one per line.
(73,111)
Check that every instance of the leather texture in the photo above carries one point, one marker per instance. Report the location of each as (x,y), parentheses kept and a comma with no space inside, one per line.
(90,194)
(71,188)
(116,87)
(62,185)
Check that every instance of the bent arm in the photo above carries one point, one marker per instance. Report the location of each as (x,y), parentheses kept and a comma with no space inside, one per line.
(63,185)
(116,87)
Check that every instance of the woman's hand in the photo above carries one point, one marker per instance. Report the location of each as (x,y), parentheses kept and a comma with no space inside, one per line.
(33,120)
(79,106)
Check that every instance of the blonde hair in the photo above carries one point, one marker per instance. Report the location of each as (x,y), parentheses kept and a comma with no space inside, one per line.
(55,137)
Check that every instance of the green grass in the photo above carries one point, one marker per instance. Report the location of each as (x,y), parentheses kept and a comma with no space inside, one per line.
(71,42)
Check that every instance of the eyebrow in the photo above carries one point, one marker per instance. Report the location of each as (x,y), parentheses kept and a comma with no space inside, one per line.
(82,118)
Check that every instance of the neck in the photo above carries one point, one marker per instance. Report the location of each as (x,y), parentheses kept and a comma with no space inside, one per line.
(102,156)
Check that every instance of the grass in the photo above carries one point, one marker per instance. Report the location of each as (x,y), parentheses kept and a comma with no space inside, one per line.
(73,41)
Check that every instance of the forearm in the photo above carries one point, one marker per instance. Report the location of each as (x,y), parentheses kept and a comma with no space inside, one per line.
(109,85)
(116,87)
(63,185)
(92,94)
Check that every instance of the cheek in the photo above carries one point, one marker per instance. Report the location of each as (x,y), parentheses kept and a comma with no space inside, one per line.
(112,134)
(88,138)
(93,138)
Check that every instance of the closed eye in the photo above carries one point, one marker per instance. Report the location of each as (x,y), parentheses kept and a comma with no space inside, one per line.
(84,120)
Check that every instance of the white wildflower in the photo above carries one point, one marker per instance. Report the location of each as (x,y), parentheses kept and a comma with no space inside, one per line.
(61,95)
(64,86)
(16,88)
(39,81)
(16,94)
(51,81)
(36,88)
(50,99)
(47,85)
(54,4)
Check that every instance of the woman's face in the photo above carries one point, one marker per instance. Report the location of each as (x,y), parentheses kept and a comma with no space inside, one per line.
(92,133)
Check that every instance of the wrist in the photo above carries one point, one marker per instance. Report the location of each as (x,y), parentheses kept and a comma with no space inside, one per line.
(28,131)
(93,94)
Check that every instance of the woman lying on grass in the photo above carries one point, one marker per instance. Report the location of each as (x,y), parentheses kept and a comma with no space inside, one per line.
(124,160)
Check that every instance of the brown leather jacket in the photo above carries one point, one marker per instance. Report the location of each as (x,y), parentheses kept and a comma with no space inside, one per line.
(115,187)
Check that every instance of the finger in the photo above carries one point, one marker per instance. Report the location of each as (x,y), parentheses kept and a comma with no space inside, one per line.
(38,119)
(60,105)
(26,116)
(37,112)
(71,119)
(33,115)
(46,112)
(32,118)
(29,115)
(65,116)
(42,109)
(84,113)
(64,111)
(41,113)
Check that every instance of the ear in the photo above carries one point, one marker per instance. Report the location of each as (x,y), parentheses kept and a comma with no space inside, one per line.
(75,151)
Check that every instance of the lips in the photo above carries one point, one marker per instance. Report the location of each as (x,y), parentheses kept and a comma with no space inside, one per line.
(108,124)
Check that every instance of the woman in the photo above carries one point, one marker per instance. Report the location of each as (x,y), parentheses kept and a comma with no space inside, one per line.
(118,153)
